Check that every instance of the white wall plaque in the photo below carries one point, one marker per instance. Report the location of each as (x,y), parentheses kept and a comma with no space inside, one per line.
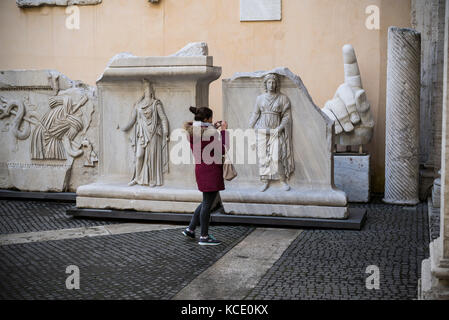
(260,10)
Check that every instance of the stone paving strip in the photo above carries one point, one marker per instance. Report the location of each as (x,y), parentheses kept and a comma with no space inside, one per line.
(34,216)
(73,233)
(236,273)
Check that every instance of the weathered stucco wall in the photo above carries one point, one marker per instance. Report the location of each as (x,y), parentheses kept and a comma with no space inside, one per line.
(307,40)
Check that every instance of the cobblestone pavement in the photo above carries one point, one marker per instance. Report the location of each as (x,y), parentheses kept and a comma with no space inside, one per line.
(145,265)
(29,216)
(319,264)
(331,264)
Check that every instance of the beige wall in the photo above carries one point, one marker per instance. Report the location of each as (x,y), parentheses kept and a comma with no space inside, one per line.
(308,40)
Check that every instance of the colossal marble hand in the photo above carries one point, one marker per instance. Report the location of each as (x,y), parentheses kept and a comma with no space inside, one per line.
(349,108)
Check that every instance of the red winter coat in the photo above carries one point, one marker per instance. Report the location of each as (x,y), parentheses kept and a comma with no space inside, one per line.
(208,164)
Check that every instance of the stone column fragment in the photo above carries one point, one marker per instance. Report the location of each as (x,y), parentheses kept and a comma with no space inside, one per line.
(402,117)
(434,282)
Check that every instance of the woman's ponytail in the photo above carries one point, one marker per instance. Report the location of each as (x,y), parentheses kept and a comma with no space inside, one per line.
(202,113)
(193,110)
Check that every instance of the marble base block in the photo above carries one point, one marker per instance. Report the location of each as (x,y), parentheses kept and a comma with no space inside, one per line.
(40,177)
(352,175)
(304,203)
(434,282)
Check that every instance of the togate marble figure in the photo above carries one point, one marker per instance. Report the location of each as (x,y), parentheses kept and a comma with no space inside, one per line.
(272,120)
(149,139)
(349,108)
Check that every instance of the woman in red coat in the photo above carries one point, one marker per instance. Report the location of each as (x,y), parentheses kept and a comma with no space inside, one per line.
(208,146)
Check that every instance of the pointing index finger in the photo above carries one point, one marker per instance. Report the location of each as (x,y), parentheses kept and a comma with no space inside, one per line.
(351,66)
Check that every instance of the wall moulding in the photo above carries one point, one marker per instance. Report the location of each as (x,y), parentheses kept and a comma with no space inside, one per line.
(62,3)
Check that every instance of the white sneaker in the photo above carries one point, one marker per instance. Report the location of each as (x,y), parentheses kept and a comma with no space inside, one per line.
(209,241)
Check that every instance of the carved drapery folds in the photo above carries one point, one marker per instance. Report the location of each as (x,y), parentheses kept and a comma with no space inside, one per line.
(272,120)
(53,138)
(53,135)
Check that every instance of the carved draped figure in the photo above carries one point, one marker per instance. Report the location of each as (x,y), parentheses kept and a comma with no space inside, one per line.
(60,121)
(275,153)
(150,130)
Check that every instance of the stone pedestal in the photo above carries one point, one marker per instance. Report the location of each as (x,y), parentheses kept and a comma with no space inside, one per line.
(245,200)
(352,175)
(402,117)
(434,283)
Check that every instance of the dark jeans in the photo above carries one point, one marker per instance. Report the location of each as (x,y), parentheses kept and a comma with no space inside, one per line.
(202,213)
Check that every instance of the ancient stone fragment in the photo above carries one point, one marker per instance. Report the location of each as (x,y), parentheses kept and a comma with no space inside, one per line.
(402,117)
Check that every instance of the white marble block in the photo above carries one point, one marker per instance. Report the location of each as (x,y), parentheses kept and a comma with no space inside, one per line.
(352,175)
(182,80)
(307,190)
(260,10)
(174,82)
(49,128)
(177,81)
